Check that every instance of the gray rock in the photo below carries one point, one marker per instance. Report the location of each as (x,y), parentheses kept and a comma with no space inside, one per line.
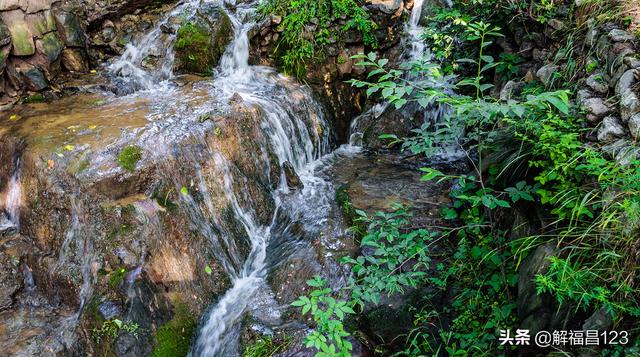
(109,309)
(629,101)
(610,130)
(634,126)
(385,6)
(545,74)
(617,35)
(583,95)
(510,90)
(623,151)
(538,311)
(32,78)
(632,61)
(591,37)
(598,83)
(601,320)
(596,107)
(556,24)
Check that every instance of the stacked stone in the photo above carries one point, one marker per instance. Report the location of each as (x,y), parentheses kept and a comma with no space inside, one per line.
(37,39)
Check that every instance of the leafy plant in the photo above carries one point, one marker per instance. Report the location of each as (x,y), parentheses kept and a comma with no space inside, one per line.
(329,337)
(307,28)
(110,329)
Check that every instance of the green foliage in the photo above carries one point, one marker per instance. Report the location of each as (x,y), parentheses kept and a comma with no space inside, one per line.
(530,149)
(399,259)
(173,339)
(111,328)
(129,157)
(307,28)
(117,276)
(329,337)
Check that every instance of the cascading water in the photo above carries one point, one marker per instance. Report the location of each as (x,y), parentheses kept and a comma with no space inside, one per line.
(13,201)
(129,68)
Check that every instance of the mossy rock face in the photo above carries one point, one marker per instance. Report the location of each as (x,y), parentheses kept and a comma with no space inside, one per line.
(52,46)
(173,339)
(22,40)
(201,41)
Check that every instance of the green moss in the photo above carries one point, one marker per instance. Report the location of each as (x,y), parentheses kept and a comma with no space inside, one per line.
(193,48)
(36,98)
(117,276)
(174,338)
(129,157)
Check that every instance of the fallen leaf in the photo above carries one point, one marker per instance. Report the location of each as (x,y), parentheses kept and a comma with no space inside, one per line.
(50,164)
(68,147)
(208,270)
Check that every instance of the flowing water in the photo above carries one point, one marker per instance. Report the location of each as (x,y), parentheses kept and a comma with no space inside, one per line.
(296,132)
(10,220)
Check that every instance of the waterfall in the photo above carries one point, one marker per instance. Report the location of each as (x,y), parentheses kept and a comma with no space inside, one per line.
(128,69)
(10,220)
(295,131)
(414,32)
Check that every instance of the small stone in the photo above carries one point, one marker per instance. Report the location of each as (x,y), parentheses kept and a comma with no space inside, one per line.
(629,101)
(293,180)
(632,62)
(590,38)
(545,74)
(617,35)
(31,77)
(510,90)
(598,83)
(597,107)
(540,55)
(610,130)
(634,126)
(51,46)
(556,24)
(109,309)
(276,20)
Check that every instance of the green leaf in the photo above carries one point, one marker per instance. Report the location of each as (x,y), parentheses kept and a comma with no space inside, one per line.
(184,191)
(208,270)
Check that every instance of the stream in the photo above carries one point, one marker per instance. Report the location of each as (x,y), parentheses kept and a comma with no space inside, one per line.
(254,222)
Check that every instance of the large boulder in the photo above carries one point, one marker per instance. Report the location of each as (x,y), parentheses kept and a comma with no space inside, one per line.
(21,34)
(70,29)
(202,40)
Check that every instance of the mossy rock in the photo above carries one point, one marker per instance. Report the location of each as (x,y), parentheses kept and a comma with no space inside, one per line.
(129,157)
(201,41)
(52,46)
(173,339)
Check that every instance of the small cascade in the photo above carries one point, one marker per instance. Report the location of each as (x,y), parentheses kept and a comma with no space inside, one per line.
(435,114)
(10,219)
(414,32)
(129,70)
(77,250)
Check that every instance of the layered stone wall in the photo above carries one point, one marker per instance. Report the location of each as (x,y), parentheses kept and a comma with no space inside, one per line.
(39,38)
